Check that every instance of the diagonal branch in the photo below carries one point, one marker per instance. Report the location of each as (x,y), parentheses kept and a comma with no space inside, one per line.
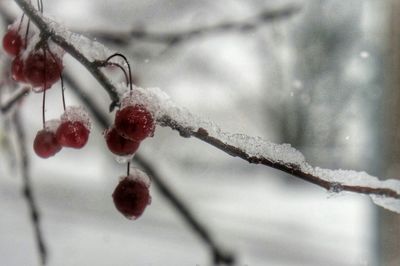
(28,189)
(173,38)
(254,150)
(219,256)
(14,99)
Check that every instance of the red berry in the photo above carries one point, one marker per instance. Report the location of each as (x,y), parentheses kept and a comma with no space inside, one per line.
(131,197)
(73,134)
(120,145)
(17,67)
(134,122)
(45,144)
(42,71)
(12,42)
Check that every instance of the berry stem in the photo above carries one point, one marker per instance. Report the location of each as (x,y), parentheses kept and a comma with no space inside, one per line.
(128,168)
(26,33)
(61,78)
(20,22)
(127,63)
(44,93)
(123,70)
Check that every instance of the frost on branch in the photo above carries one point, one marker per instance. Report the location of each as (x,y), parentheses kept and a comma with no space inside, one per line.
(257,150)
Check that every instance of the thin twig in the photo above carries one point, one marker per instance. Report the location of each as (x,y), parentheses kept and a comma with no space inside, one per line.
(219,256)
(202,134)
(14,99)
(173,38)
(27,189)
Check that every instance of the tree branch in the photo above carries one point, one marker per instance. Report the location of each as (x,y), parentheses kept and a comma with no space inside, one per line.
(268,154)
(171,38)
(219,256)
(28,189)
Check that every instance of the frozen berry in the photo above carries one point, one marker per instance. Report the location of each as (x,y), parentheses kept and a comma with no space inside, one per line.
(17,67)
(120,145)
(131,197)
(73,134)
(12,42)
(45,144)
(134,122)
(42,69)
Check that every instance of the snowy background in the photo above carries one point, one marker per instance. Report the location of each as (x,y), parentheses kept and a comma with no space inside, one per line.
(313,80)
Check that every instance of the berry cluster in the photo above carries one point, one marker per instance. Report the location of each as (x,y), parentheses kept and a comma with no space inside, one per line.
(71,130)
(132,124)
(35,64)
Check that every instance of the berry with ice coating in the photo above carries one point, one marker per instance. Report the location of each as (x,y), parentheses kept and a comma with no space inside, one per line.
(45,144)
(74,129)
(42,69)
(17,67)
(131,196)
(134,122)
(119,145)
(12,42)
(72,134)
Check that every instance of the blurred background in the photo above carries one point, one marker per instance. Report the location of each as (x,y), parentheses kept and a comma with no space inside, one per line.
(323,77)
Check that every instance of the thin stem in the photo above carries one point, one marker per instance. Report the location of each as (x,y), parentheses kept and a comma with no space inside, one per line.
(27,32)
(122,69)
(28,191)
(61,77)
(44,109)
(44,93)
(127,63)
(20,22)
(128,168)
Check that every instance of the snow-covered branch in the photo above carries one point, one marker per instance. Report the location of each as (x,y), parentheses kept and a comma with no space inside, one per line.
(252,149)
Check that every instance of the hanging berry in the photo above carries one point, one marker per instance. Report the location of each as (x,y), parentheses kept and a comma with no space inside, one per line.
(12,42)
(131,196)
(118,144)
(74,129)
(45,144)
(134,122)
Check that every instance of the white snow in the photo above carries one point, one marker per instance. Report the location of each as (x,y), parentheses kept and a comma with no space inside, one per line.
(76,114)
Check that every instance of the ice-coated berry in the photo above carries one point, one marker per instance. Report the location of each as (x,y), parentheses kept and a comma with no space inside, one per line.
(131,197)
(120,145)
(72,134)
(45,144)
(42,69)
(17,67)
(12,42)
(134,122)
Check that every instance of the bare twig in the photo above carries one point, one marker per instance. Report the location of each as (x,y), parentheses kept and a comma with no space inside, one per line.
(201,133)
(14,99)
(219,256)
(28,189)
(171,38)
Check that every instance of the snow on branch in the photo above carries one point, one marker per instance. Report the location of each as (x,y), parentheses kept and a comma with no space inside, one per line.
(251,149)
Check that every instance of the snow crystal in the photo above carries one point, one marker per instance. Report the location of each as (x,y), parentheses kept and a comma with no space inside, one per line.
(76,113)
